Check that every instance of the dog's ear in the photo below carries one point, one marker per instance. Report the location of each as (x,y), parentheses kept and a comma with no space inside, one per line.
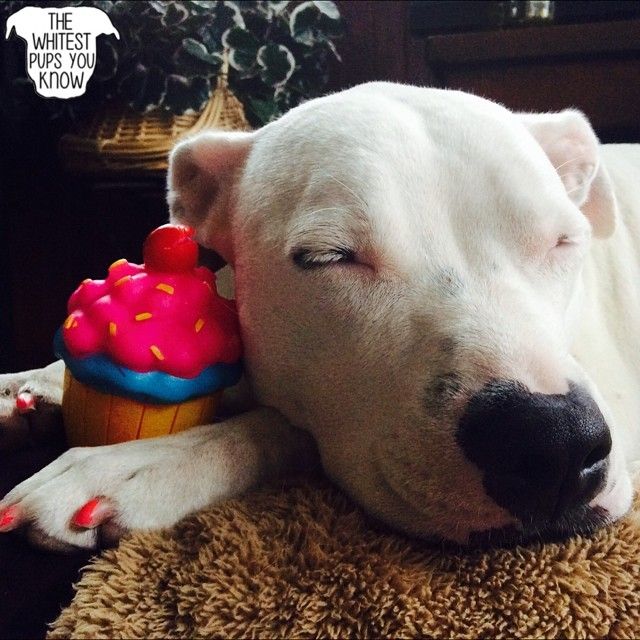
(573,148)
(203,173)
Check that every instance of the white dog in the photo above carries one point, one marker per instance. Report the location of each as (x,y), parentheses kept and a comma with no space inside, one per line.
(442,295)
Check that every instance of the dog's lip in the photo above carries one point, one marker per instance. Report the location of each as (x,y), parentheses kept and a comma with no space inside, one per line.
(608,491)
(612,500)
(387,484)
(585,520)
(407,505)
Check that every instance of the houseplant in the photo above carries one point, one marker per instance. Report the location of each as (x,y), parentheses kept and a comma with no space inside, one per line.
(180,67)
(169,54)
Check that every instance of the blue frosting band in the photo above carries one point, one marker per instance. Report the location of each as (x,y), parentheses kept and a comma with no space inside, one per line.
(103,374)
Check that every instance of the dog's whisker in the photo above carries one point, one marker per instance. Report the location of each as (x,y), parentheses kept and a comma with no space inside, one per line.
(562,176)
(568,162)
(358,198)
(579,186)
(315,211)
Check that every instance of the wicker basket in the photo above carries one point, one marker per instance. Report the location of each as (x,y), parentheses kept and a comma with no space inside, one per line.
(120,139)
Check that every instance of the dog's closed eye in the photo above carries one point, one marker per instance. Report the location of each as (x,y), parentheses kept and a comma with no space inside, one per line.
(567,242)
(308,258)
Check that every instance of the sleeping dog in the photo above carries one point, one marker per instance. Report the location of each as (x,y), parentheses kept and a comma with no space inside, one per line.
(438,301)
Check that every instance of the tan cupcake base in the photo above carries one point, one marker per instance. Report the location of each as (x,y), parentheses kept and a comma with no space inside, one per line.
(94,418)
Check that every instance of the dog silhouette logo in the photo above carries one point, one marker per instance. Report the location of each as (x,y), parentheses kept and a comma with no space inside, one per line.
(60,46)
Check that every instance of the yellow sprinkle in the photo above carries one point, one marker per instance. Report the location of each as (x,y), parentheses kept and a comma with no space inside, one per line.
(86,280)
(113,328)
(123,279)
(68,323)
(167,288)
(143,316)
(117,263)
(199,325)
(156,352)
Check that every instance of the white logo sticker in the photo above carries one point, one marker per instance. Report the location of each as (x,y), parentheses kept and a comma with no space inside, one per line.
(61,46)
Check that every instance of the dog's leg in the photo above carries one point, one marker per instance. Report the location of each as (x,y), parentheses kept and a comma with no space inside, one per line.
(30,406)
(152,483)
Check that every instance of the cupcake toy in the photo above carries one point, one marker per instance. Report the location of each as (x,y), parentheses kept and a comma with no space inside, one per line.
(149,349)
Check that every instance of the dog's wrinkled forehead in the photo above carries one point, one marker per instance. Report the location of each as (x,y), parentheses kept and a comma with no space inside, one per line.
(417,165)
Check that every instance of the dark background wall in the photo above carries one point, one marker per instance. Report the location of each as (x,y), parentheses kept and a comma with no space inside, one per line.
(588,61)
(379,45)
(57,228)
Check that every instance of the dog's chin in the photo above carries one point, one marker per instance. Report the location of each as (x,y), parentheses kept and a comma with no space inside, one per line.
(583,521)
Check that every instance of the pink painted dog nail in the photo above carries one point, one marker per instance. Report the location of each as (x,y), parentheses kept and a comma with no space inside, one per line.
(93,513)
(25,402)
(8,518)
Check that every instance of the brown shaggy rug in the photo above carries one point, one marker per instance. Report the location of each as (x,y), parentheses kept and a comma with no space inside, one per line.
(301,560)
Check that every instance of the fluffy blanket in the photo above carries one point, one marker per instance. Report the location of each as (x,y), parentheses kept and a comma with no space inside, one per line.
(301,560)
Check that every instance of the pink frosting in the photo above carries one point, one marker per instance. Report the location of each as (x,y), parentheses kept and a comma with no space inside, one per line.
(153,321)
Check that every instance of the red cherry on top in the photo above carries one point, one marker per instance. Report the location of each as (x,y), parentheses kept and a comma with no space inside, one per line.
(170,248)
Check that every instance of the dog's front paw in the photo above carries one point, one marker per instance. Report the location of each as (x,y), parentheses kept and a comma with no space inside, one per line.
(30,408)
(14,423)
(90,496)
(92,493)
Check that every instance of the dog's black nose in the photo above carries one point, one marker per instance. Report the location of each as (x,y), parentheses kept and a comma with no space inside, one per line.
(540,455)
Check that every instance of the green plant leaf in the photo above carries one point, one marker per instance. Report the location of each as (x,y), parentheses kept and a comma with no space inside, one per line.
(175,14)
(199,51)
(302,21)
(160,7)
(332,47)
(278,6)
(277,63)
(330,28)
(328,8)
(310,23)
(269,9)
(243,49)
(144,88)
(104,5)
(229,13)
(278,50)
(133,9)
(264,110)
(106,60)
(187,95)
(239,38)
(190,66)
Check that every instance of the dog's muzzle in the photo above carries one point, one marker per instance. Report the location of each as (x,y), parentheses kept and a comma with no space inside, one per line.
(542,456)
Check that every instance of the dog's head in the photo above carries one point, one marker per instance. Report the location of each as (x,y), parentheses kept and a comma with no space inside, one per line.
(408,275)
